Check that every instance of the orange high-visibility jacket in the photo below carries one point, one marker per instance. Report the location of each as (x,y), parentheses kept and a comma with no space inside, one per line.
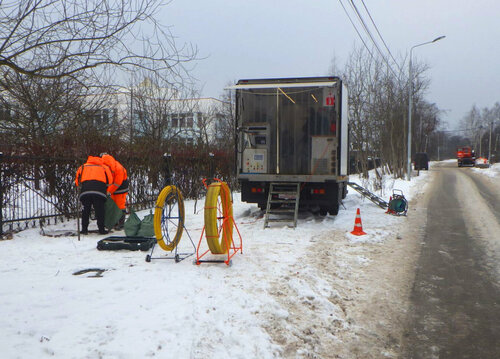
(120,179)
(93,177)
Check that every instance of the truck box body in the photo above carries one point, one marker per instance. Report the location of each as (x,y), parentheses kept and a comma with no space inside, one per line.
(293,130)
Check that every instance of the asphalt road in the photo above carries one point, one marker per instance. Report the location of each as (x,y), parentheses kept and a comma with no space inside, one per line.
(455,300)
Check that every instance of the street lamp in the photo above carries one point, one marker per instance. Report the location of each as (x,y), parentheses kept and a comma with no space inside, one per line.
(410,92)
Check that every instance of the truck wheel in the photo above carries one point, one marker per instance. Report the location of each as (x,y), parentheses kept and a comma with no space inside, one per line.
(323,211)
(262,206)
(334,210)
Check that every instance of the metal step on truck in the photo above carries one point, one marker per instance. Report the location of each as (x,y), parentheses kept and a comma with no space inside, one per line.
(292,143)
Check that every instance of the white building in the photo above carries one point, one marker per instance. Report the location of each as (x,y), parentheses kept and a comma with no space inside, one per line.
(147,110)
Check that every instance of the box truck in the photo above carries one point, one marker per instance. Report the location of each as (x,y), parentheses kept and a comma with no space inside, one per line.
(293,131)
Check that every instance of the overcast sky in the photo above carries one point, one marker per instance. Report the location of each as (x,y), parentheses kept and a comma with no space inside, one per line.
(292,38)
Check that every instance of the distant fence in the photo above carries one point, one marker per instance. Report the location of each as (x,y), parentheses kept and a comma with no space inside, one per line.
(39,191)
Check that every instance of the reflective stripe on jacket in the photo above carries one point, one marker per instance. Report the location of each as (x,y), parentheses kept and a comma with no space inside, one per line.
(93,177)
(123,188)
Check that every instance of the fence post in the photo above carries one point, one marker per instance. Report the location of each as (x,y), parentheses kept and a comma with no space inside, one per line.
(211,165)
(1,195)
(167,158)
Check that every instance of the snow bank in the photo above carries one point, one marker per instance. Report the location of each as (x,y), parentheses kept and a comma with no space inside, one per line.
(492,171)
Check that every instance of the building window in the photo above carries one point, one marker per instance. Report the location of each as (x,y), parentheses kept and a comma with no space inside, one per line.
(103,117)
(189,122)
(5,114)
(175,122)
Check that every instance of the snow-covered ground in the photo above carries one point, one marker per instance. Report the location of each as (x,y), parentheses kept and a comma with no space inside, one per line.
(492,171)
(282,297)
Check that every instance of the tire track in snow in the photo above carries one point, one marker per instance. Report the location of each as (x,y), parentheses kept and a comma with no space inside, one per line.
(314,312)
(480,207)
(345,300)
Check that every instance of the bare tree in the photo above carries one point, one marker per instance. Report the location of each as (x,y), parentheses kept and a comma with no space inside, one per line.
(164,112)
(59,58)
(43,112)
(149,108)
(470,125)
(427,120)
(227,130)
(478,123)
(378,102)
(216,128)
(58,38)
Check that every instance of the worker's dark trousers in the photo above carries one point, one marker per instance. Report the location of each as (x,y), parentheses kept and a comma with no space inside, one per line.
(89,200)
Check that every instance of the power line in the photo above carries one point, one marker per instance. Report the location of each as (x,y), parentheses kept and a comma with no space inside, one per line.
(368,32)
(356,29)
(463,130)
(380,35)
(365,27)
(370,35)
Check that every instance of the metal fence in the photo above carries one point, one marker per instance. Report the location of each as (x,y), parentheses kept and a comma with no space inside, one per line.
(40,191)
(35,191)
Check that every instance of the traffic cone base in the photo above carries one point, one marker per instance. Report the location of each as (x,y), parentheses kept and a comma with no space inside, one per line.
(358,227)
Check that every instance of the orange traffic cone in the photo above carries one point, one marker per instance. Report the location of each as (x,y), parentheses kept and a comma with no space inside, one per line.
(358,228)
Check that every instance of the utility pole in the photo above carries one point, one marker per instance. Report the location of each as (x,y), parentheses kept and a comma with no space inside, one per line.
(438,145)
(480,141)
(489,151)
(131,113)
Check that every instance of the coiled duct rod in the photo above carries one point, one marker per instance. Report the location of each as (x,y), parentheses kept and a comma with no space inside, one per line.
(166,202)
(212,218)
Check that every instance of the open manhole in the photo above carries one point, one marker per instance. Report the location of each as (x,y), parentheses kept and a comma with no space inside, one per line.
(97,272)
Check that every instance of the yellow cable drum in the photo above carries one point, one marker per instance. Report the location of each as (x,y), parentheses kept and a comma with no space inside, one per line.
(169,218)
(218,213)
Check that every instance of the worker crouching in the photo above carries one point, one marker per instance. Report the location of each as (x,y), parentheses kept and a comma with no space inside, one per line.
(119,186)
(93,178)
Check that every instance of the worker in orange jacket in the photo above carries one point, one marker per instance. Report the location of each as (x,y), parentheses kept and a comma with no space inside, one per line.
(119,186)
(93,178)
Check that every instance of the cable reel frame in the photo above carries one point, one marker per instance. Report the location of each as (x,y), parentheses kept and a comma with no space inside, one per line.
(219,222)
(398,204)
(169,218)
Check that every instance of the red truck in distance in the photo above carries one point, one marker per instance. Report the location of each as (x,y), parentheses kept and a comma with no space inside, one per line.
(465,156)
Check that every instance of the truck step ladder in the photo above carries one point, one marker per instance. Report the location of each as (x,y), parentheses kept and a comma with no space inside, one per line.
(372,197)
(287,195)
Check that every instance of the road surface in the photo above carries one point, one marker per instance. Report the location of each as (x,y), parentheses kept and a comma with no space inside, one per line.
(454,307)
